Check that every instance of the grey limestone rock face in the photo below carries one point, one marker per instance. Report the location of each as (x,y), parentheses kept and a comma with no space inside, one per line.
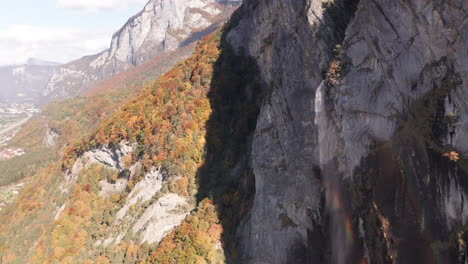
(392,48)
(344,79)
(109,156)
(161,27)
(292,44)
(50,139)
(149,210)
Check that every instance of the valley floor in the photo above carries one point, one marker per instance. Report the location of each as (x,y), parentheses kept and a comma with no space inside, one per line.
(16,125)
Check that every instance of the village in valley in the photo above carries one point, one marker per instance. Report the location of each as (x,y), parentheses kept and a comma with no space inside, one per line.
(10,110)
(7,152)
(12,116)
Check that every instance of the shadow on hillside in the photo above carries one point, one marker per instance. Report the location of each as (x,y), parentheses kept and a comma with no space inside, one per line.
(235,96)
(226,177)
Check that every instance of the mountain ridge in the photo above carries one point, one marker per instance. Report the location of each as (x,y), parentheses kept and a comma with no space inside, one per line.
(304,132)
(161,26)
(24,83)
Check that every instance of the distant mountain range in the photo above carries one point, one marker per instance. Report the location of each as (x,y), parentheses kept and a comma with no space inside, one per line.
(25,83)
(163,26)
(38,62)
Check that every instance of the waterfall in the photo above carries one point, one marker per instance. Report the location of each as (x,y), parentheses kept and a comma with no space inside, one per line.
(341,229)
(321,121)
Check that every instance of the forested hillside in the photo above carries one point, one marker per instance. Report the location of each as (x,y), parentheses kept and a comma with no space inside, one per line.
(319,131)
(193,124)
(63,122)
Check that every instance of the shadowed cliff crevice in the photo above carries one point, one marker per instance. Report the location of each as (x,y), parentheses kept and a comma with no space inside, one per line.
(226,176)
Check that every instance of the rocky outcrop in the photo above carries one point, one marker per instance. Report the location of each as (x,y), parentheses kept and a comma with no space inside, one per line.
(51,136)
(160,218)
(363,100)
(109,156)
(150,211)
(143,191)
(162,26)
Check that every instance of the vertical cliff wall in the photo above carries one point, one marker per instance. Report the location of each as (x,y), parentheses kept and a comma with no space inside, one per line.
(364,99)
(307,131)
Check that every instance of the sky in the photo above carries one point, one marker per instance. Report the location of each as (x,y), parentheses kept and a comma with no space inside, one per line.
(60,30)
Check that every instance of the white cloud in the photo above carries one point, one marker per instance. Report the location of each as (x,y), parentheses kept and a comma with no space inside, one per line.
(96,5)
(59,44)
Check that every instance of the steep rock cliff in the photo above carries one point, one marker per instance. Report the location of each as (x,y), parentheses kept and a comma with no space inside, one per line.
(364,99)
(333,133)
(162,26)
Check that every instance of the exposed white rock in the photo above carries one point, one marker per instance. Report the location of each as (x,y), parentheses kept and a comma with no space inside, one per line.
(111,241)
(60,211)
(146,32)
(119,239)
(61,75)
(160,218)
(50,138)
(108,188)
(108,241)
(72,175)
(156,221)
(98,243)
(143,191)
(111,157)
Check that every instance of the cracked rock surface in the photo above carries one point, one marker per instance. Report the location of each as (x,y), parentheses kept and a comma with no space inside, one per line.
(363,100)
